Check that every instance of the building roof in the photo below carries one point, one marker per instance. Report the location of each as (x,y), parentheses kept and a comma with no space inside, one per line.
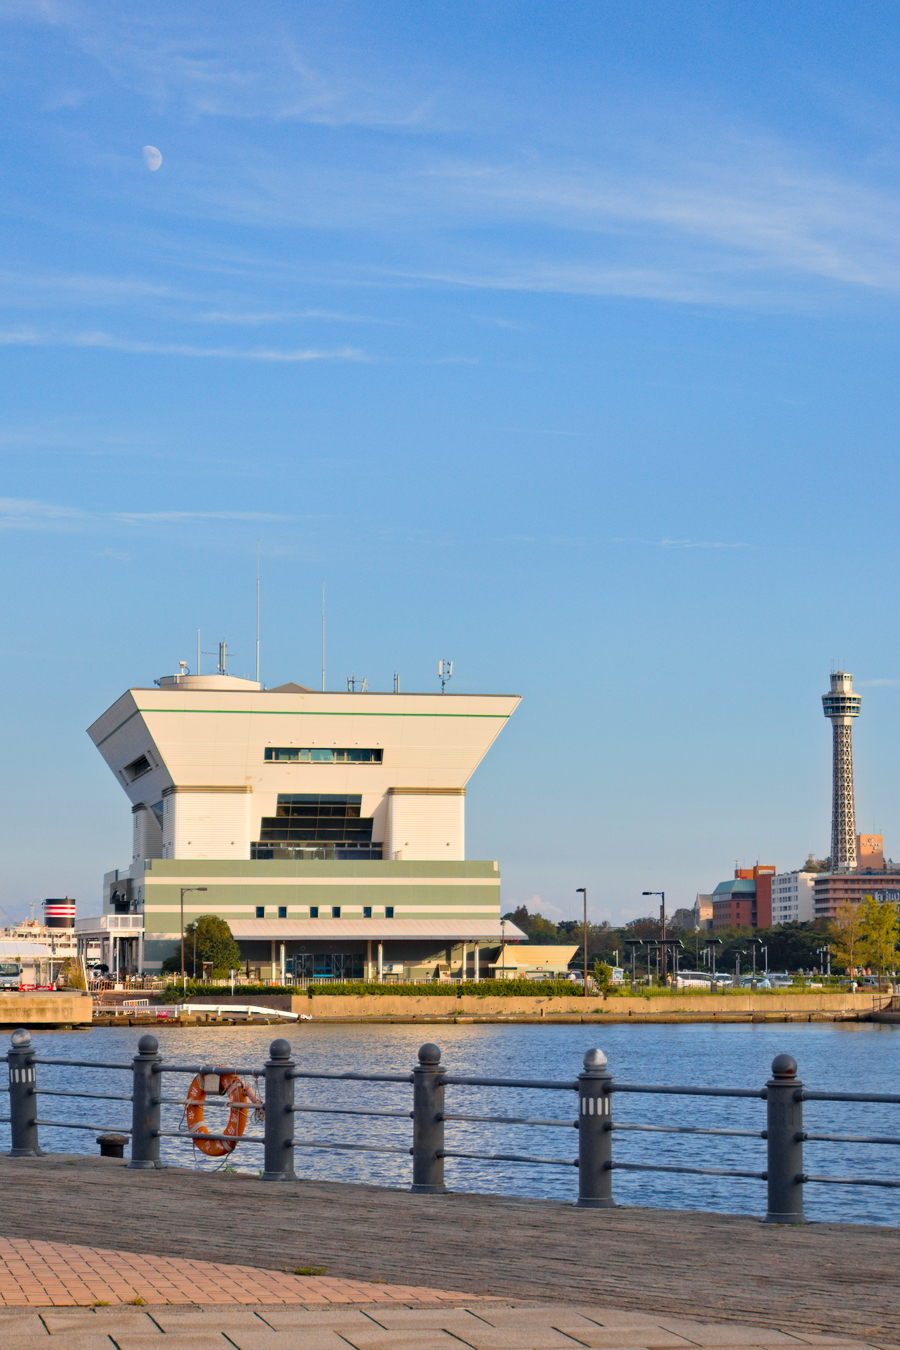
(378,930)
(736,887)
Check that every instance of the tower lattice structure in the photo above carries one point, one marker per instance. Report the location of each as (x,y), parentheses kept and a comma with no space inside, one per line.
(840,706)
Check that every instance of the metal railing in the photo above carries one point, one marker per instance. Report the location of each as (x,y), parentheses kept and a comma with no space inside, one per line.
(781,1128)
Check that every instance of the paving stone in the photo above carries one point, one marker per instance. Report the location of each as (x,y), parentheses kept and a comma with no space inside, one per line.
(718,1334)
(427,1338)
(286,1318)
(457,1320)
(176,1320)
(311,1338)
(105,1321)
(183,1340)
(518,1338)
(624,1338)
(21,1324)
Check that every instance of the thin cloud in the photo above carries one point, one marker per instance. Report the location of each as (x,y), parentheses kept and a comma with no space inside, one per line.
(886,682)
(25,513)
(191,517)
(700,543)
(30,337)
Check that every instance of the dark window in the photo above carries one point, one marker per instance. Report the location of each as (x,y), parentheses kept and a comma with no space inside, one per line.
(316,825)
(137,767)
(367,911)
(320,754)
(335,911)
(389,911)
(260,911)
(314,911)
(282,911)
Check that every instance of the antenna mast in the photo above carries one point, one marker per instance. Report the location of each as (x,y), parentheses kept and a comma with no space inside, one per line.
(323,637)
(257,611)
(445,671)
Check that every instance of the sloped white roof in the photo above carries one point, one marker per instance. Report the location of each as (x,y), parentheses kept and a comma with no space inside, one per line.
(378,930)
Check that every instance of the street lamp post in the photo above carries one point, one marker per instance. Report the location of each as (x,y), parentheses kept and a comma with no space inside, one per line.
(711,945)
(662,926)
(184,891)
(633,943)
(582,890)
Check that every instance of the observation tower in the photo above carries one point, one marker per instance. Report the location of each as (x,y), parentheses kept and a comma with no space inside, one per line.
(840,706)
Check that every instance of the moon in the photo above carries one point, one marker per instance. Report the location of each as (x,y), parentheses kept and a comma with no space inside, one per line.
(152,157)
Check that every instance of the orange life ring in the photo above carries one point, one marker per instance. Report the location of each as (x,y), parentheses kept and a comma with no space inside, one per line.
(242,1099)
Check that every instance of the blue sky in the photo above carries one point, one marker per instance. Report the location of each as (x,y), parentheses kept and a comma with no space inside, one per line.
(559,340)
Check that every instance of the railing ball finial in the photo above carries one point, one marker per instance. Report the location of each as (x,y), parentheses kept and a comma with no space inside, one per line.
(430,1054)
(21,1039)
(595,1061)
(784,1066)
(280,1049)
(148,1045)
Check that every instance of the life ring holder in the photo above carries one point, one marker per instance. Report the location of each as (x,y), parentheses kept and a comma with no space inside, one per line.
(243,1098)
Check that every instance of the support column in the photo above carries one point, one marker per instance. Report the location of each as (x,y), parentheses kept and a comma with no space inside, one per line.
(281,961)
(380,962)
(475,953)
(465,961)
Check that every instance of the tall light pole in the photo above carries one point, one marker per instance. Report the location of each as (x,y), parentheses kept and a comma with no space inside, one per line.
(662,926)
(582,890)
(184,891)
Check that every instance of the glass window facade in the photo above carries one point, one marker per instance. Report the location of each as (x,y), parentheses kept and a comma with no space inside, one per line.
(282,911)
(367,911)
(260,911)
(314,911)
(335,911)
(317,825)
(389,911)
(292,754)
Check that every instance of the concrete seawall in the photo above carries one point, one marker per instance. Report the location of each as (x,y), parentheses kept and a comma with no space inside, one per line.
(49,1009)
(666,1008)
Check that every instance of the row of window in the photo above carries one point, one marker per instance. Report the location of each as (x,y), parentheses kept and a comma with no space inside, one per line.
(314,911)
(291,754)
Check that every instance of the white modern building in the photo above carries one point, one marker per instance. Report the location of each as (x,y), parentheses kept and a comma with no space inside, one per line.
(327,828)
(793,897)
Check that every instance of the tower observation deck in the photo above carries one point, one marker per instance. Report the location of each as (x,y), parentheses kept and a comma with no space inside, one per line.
(840,706)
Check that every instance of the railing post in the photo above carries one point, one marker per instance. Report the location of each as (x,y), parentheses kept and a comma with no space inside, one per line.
(145,1107)
(279,1126)
(595,1133)
(22,1097)
(784,1135)
(428,1123)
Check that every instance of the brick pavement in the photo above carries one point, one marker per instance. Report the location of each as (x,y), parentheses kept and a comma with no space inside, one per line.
(837,1279)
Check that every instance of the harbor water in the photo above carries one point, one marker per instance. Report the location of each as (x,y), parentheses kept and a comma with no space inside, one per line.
(856,1057)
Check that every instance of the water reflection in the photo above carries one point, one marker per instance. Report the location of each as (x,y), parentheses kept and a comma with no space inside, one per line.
(841,1056)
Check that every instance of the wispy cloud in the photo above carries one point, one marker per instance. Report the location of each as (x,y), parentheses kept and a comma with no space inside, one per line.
(700,543)
(192,517)
(25,513)
(31,337)
(885,682)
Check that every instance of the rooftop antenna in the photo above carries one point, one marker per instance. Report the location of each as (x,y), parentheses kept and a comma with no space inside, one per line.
(257,611)
(356,685)
(323,637)
(396,684)
(223,658)
(198,651)
(445,672)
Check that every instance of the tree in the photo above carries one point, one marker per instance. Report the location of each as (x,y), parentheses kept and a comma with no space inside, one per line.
(845,932)
(879,932)
(211,937)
